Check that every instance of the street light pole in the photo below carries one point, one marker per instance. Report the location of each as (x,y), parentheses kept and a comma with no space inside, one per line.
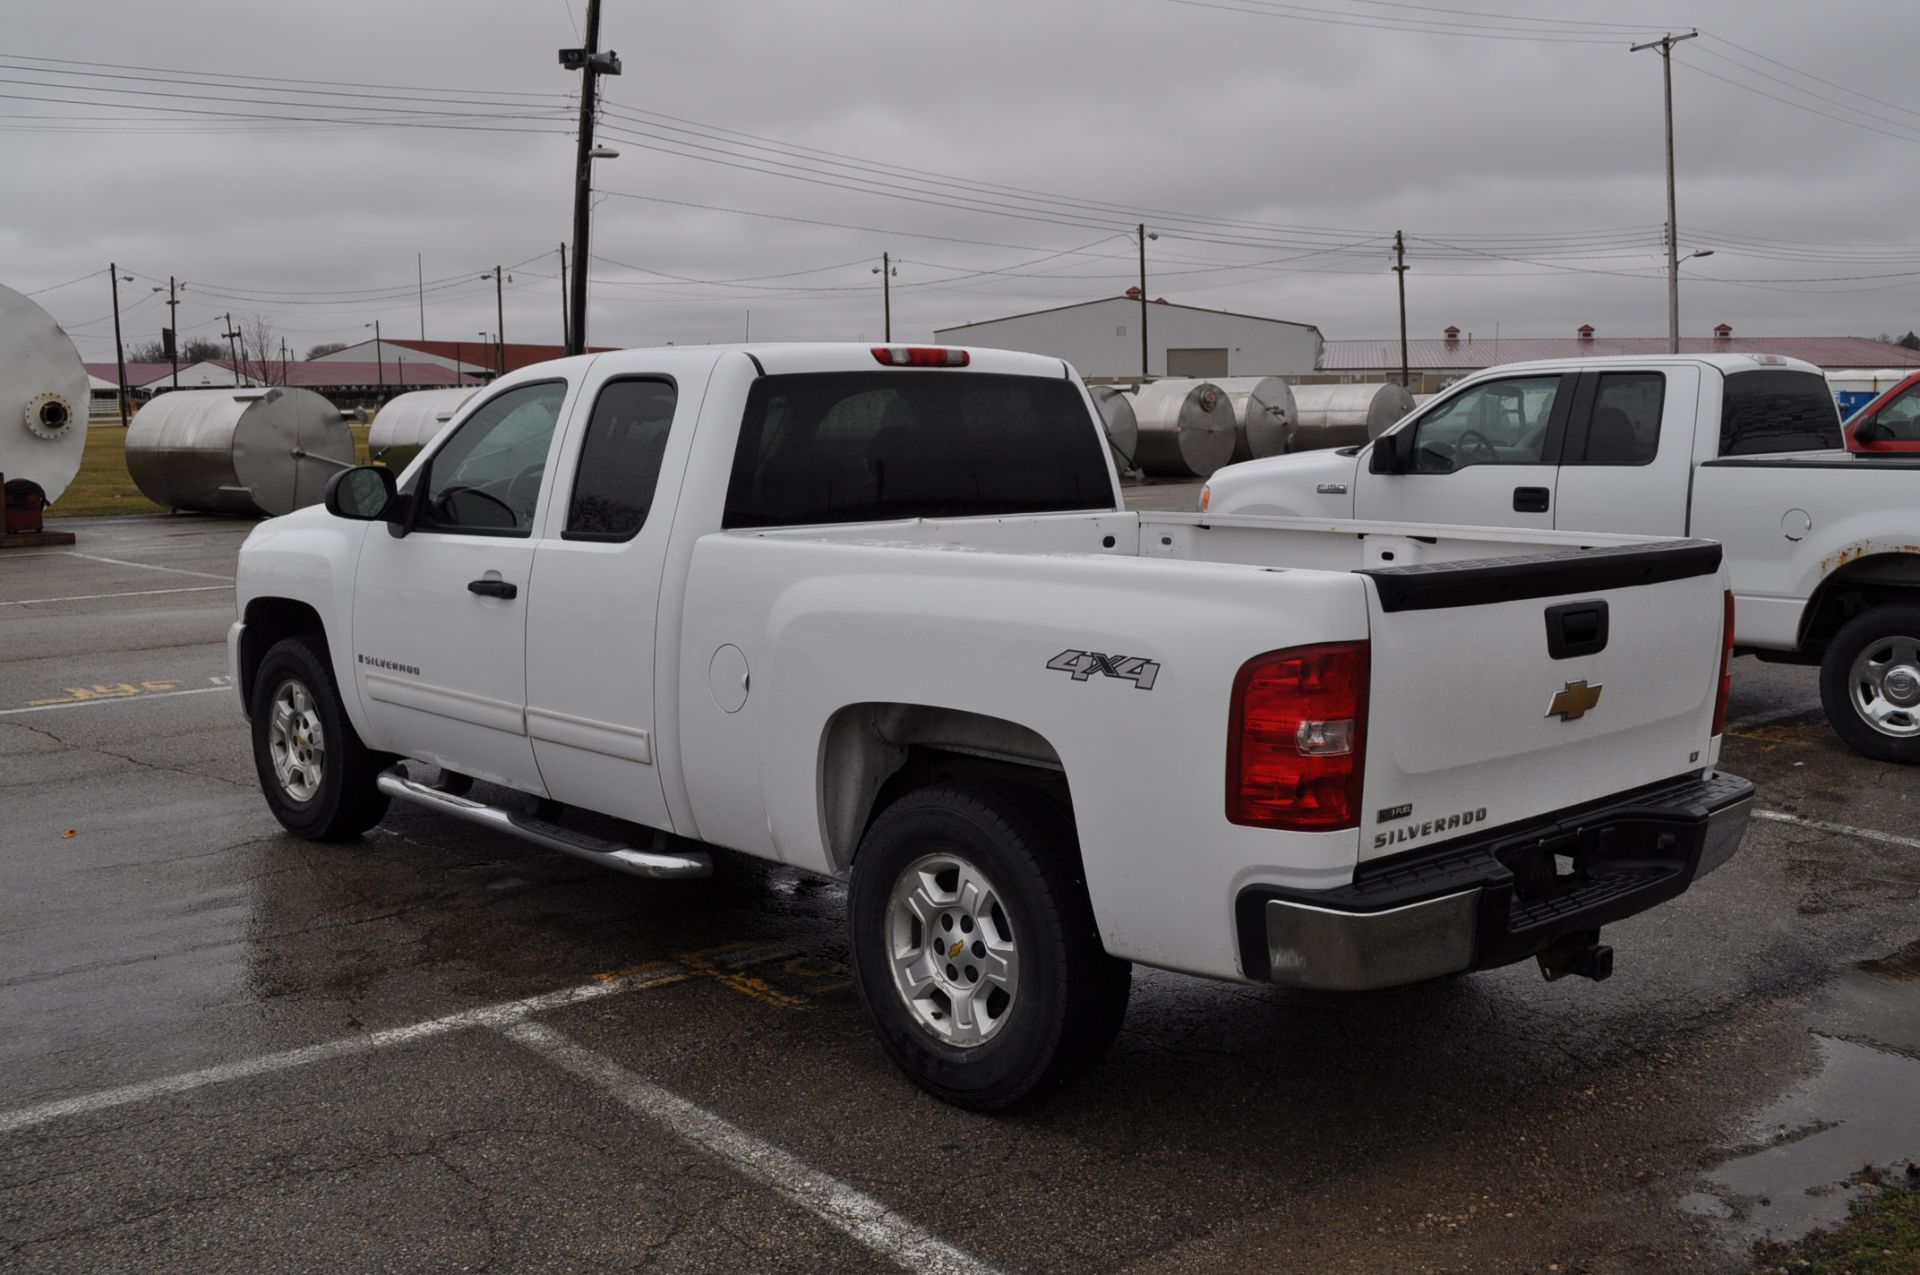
(566,319)
(119,350)
(1665,45)
(1400,276)
(1142,229)
(592,64)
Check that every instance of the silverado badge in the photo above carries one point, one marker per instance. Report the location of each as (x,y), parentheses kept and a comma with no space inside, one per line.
(1572,703)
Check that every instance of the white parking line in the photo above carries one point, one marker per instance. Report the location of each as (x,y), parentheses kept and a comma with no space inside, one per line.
(122,562)
(112,699)
(858,1214)
(134,593)
(1842,829)
(501,1015)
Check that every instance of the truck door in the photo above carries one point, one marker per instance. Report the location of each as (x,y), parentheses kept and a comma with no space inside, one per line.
(439,615)
(1486,457)
(591,641)
(1622,471)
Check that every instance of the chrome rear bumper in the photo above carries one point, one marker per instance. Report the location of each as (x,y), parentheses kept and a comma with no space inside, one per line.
(1496,897)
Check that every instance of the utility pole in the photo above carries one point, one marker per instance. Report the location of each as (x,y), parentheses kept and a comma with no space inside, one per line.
(1143,299)
(283,361)
(499,320)
(566,321)
(379,365)
(119,350)
(420,278)
(592,64)
(886,271)
(173,329)
(1400,275)
(233,351)
(1665,45)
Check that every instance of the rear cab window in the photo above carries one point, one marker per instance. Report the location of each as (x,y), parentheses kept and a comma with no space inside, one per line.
(1772,410)
(833,447)
(1623,427)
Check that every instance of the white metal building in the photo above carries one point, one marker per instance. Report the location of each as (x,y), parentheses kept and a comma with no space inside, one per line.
(1102,338)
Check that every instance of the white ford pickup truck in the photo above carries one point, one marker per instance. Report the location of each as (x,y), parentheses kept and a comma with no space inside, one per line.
(1823,547)
(877,612)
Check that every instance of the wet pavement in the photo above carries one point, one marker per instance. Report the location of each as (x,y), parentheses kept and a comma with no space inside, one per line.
(440,1049)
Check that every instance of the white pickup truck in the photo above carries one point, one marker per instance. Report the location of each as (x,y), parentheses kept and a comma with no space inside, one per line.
(1823,547)
(877,612)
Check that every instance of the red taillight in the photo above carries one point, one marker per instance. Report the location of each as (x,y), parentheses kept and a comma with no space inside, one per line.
(1296,738)
(919,356)
(1726,669)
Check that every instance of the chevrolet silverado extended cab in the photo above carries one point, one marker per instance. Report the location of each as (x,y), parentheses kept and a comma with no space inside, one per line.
(1823,547)
(878,613)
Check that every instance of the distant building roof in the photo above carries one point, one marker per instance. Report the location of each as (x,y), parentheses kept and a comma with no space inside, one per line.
(1133,300)
(477,353)
(413,375)
(1467,354)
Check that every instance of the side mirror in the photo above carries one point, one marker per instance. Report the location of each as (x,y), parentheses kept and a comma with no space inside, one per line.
(362,493)
(1387,456)
(1872,431)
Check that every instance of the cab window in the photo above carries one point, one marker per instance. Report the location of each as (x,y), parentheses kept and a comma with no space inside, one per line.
(620,460)
(1498,423)
(486,479)
(1777,411)
(1624,425)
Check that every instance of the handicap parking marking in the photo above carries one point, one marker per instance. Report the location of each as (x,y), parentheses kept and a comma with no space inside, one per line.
(118,693)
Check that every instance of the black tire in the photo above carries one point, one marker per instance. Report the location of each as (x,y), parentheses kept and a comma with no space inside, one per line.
(1069,994)
(1877,631)
(337,797)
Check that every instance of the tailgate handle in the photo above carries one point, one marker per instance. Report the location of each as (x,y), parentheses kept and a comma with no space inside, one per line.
(1576,628)
(1529,500)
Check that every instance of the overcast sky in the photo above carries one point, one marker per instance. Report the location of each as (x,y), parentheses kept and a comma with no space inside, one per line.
(1521,156)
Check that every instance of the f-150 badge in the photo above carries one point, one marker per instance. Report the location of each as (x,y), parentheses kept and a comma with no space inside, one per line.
(1572,703)
(1128,668)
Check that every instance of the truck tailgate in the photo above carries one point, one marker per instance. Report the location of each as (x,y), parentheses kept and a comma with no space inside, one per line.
(1508,688)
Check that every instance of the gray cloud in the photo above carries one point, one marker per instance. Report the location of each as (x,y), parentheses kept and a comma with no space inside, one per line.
(1261,122)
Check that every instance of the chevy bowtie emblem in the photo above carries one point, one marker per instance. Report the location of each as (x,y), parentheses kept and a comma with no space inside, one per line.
(1572,703)
(957,949)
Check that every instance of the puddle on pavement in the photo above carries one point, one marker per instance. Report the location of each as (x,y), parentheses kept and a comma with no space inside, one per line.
(1859,1112)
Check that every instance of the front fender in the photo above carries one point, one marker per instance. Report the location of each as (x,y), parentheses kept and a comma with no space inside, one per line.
(308,557)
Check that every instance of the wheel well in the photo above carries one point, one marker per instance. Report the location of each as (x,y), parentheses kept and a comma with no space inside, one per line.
(1881,579)
(873,754)
(270,620)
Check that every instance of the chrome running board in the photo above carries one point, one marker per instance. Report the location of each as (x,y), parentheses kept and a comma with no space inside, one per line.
(680,864)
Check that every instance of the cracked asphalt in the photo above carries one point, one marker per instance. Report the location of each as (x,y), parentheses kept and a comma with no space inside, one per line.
(227,1049)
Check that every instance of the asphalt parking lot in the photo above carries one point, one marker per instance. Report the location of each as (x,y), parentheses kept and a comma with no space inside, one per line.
(441,1049)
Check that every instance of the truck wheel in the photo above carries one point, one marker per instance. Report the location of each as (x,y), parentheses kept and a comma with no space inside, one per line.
(317,776)
(974,947)
(1870,683)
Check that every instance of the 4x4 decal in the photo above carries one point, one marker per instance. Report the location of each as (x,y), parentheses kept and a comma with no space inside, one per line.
(1128,668)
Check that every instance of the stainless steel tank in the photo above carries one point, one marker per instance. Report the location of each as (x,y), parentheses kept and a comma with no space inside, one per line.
(44,392)
(1116,414)
(1263,411)
(1346,415)
(1186,428)
(247,452)
(410,421)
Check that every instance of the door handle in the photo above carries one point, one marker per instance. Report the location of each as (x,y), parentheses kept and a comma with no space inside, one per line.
(493,588)
(1529,500)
